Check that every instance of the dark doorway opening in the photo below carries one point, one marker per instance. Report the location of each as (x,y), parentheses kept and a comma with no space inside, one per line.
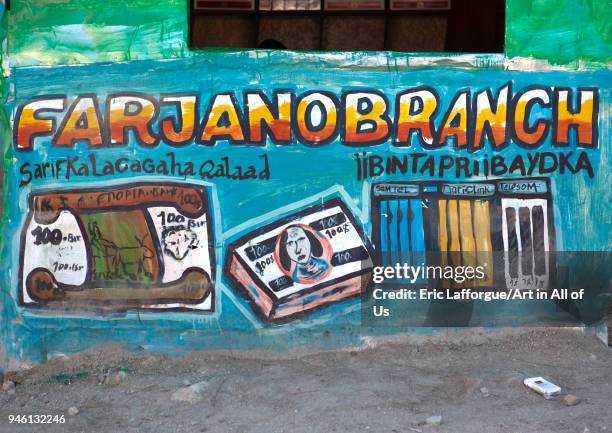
(468,26)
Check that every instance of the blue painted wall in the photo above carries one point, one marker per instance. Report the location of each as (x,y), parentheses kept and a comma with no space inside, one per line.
(299,176)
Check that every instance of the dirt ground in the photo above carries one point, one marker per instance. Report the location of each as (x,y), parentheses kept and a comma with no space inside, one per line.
(474,385)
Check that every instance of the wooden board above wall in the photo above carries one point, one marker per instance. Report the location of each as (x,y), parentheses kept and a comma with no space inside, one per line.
(212,31)
(285,28)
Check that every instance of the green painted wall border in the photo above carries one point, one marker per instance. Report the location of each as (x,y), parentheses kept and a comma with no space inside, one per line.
(563,32)
(45,32)
(571,33)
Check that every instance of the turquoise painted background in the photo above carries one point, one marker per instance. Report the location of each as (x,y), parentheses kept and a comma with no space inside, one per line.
(581,214)
(142,34)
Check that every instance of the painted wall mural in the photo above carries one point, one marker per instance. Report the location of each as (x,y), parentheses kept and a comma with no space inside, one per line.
(244,200)
(140,245)
(304,261)
(466,224)
(357,118)
(445,168)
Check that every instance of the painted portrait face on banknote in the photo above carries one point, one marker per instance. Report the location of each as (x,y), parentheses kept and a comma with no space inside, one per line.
(302,254)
